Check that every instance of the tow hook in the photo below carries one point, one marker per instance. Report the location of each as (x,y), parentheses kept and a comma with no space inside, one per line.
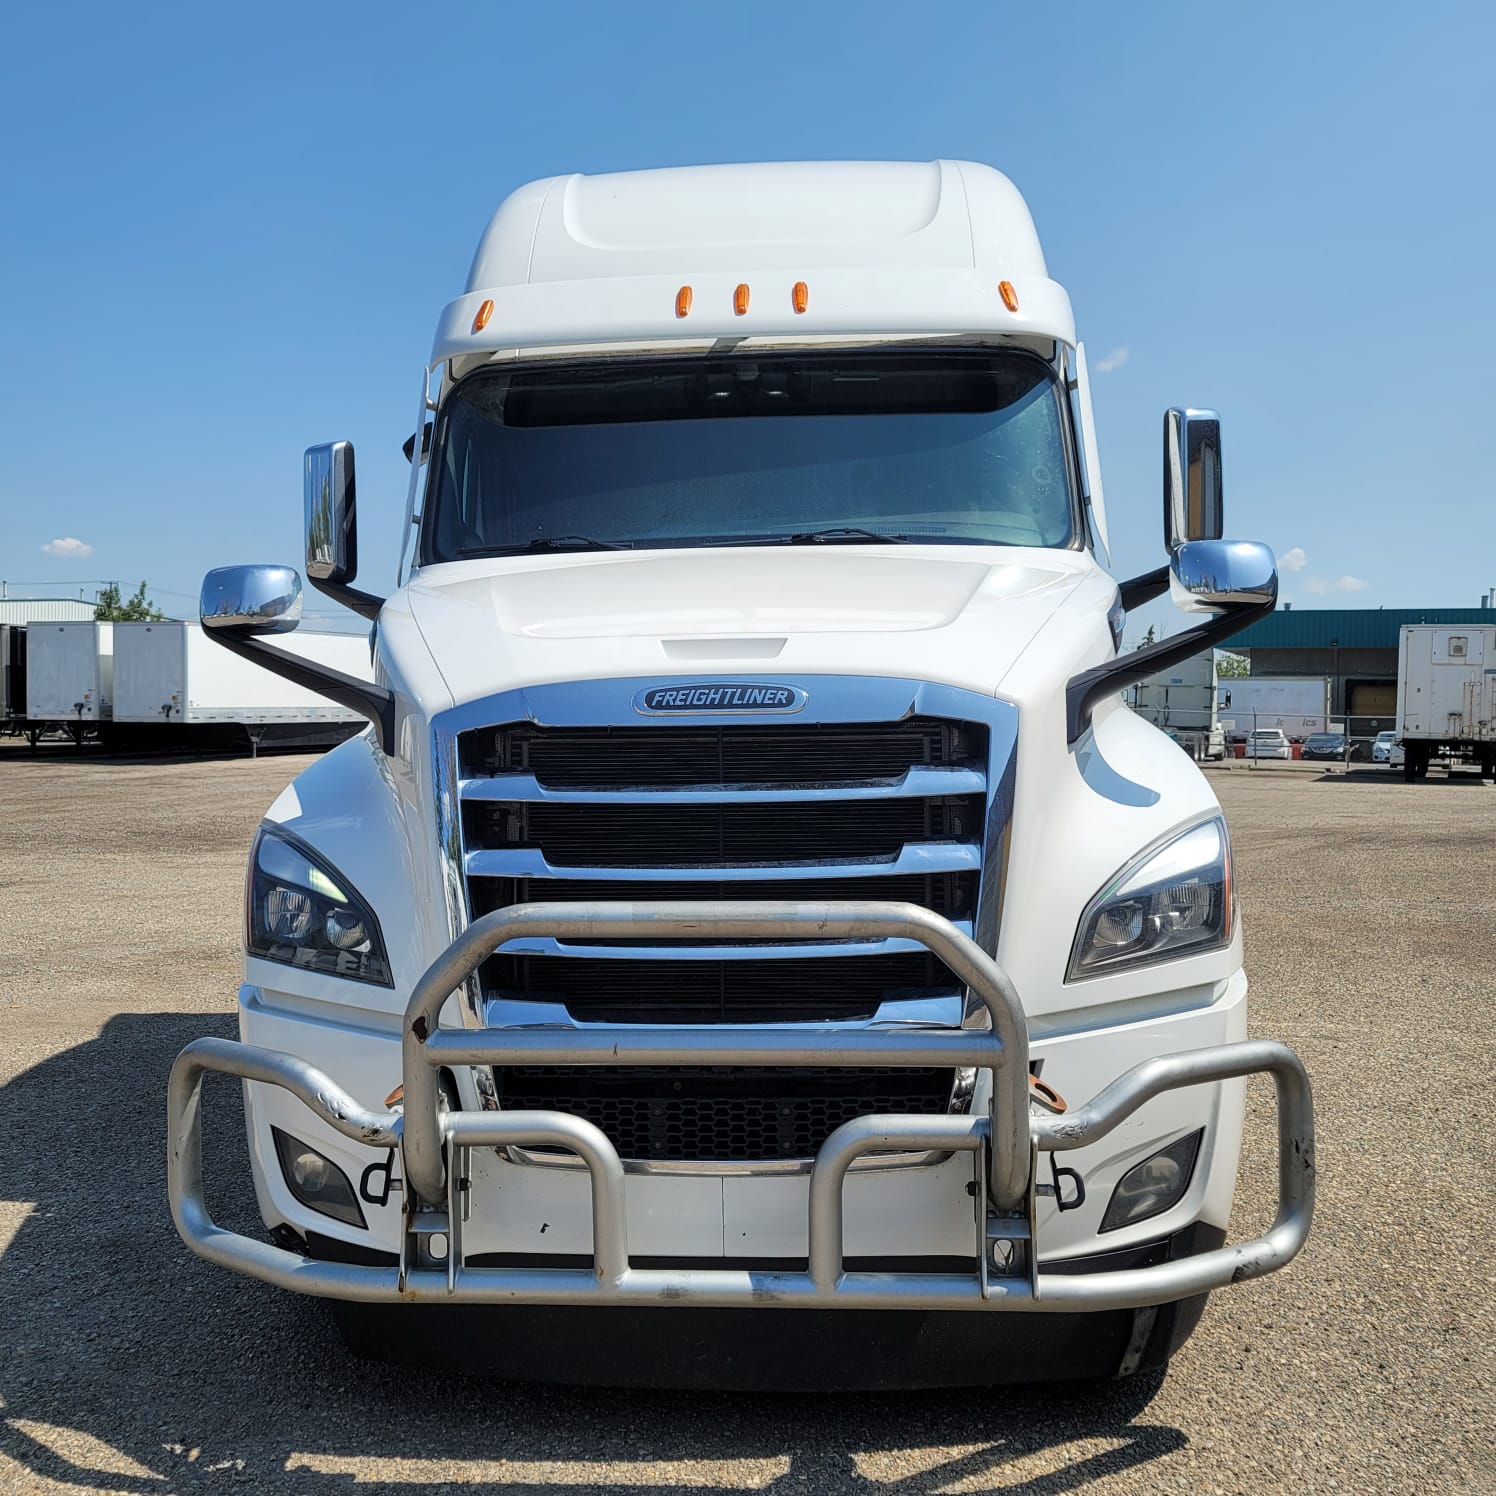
(1043,1095)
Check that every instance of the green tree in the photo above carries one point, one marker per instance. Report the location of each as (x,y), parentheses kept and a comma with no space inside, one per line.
(1151,637)
(110,608)
(1232,667)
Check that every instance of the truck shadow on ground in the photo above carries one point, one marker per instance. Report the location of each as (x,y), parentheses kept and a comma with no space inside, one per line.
(127,1363)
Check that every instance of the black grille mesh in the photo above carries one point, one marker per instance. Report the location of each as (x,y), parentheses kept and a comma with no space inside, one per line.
(952,894)
(779,753)
(652,835)
(721,1113)
(773,989)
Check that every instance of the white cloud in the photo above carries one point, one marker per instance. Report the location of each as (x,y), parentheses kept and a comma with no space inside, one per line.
(69,546)
(1321,585)
(1293,559)
(1112,361)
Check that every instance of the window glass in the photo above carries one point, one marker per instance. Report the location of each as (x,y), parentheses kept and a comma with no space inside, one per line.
(957,448)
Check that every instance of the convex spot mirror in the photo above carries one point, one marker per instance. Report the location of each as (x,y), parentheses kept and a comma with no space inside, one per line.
(251,599)
(1192,477)
(331,525)
(1209,576)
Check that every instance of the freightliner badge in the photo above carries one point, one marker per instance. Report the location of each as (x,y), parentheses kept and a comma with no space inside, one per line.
(720,696)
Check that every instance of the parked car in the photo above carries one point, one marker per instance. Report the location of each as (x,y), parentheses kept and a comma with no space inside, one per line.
(1330,745)
(1268,742)
(1381,747)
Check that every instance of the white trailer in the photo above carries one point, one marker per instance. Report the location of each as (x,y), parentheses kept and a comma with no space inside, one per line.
(1300,705)
(69,676)
(1446,695)
(1181,702)
(172,675)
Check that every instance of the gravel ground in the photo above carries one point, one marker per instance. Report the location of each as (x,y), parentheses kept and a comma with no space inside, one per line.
(128,1365)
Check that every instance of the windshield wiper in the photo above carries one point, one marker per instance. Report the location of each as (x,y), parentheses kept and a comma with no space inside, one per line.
(847,535)
(545,543)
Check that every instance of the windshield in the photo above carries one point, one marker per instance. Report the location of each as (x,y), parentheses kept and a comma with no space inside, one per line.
(1324,740)
(954,447)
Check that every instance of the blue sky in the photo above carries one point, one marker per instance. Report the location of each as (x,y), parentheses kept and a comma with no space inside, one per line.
(226,233)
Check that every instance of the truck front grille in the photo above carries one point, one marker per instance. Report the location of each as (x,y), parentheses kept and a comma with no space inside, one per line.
(781,810)
(721,1113)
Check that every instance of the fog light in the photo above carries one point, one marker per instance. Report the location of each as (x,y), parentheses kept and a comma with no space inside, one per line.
(1153,1186)
(316,1180)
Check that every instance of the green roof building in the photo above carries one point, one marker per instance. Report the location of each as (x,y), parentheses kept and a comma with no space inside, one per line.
(1355,647)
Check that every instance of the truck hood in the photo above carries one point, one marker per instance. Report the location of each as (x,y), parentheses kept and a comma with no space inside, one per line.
(962,615)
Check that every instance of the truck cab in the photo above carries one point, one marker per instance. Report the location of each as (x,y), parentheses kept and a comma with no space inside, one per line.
(752,892)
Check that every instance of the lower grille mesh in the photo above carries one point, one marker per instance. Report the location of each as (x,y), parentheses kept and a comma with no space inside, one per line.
(721,1113)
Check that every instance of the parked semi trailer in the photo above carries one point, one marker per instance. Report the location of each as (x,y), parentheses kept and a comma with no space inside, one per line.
(172,683)
(754,893)
(69,678)
(12,677)
(1299,706)
(1181,701)
(1446,696)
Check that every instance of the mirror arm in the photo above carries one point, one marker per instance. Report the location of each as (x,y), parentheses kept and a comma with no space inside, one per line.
(377,703)
(1090,686)
(1144,589)
(366,604)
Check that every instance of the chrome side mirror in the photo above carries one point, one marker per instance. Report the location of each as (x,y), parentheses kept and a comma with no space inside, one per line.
(1209,576)
(331,527)
(251,599)
(1192,477)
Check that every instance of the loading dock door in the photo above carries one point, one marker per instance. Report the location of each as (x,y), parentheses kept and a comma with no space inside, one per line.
(1372,698)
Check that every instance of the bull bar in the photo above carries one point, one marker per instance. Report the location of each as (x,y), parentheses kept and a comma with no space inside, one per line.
(435,1143)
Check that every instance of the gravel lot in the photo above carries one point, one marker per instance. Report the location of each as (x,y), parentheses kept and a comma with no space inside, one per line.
(127,1365)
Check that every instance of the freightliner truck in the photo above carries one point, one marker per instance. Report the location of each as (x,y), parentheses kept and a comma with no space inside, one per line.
(753,943)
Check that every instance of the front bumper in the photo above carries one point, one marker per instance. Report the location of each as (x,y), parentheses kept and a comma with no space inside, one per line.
(436,1145)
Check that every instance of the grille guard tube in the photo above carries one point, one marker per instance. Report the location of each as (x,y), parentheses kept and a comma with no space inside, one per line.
(998,1143)
(1003,1050)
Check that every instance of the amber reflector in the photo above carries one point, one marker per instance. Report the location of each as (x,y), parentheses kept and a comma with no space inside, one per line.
(682,301)
(740,300)
(484,313)
(800,296)
(1008,294)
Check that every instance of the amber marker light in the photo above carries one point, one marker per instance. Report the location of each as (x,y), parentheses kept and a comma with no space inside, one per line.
(683,301)
(800,297)
(740,301)
(1008,294)
(484,313)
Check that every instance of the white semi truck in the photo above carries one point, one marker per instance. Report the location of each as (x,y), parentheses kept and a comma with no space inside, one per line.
(1446,696)
(753,942)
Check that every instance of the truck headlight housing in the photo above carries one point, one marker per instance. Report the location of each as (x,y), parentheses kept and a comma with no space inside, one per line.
(302,911)
(1173,900)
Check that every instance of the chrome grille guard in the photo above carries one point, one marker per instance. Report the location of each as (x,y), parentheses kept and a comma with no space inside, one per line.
(435,1144)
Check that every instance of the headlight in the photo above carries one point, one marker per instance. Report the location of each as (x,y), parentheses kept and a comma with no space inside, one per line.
(303,912)
(1174,900)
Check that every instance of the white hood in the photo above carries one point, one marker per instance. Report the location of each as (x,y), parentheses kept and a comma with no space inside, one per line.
(961,615)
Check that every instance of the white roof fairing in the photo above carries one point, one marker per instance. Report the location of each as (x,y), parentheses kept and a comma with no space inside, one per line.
(886,248)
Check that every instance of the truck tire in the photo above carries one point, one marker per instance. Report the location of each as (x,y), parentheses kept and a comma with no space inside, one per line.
(1410,768)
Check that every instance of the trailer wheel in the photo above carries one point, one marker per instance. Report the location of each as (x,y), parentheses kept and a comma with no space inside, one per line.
(1410,768)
